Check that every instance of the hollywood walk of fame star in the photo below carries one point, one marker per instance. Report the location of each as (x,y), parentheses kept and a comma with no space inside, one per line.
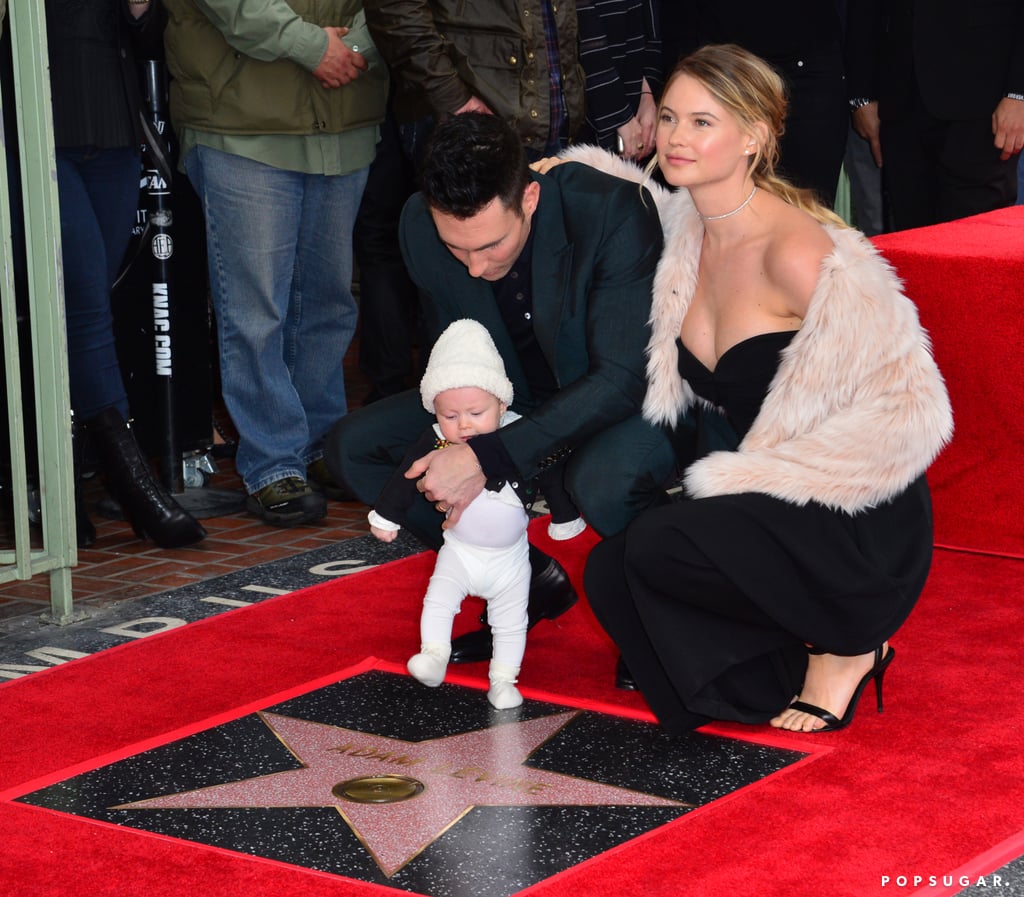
(479,768)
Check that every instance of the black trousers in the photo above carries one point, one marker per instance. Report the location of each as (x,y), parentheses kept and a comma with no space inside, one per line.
(936,170)
(389,304)
(697,646)
(817,124)
(611,478)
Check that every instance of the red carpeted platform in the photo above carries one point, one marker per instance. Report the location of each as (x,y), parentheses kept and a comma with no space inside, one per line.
(967,278)
(930,786)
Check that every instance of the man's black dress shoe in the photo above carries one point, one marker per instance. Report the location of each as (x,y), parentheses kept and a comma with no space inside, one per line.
(623,677)
(551,595)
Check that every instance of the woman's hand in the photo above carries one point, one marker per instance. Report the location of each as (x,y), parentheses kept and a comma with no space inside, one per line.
(543,166)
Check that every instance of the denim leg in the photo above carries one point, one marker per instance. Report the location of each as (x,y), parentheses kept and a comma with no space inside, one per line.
(98,192)
(279,305)
(323,311)
(1020,180)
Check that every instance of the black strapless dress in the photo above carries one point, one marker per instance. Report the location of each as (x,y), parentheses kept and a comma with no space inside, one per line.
(713,600)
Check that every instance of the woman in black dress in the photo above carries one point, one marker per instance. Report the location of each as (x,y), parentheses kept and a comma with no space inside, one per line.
(801,546)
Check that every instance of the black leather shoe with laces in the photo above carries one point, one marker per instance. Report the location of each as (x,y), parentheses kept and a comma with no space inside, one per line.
(551,595)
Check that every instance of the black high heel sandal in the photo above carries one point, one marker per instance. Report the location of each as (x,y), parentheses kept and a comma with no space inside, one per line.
(833,722)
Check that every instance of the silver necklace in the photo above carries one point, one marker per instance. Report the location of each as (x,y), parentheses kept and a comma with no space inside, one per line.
(738,208)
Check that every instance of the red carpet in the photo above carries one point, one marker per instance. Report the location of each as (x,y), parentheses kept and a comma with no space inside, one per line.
(967,278)
(927,788)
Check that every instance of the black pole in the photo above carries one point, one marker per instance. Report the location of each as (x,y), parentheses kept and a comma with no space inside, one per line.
(158,231)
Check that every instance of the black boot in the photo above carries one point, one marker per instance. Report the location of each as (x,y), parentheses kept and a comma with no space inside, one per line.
(84,529)
(551,595)
(150,508)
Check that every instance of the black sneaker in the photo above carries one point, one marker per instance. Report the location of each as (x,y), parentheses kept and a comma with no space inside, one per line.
(287,502)
(320,480)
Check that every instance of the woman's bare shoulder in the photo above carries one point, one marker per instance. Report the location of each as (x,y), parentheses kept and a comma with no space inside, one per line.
(794,255)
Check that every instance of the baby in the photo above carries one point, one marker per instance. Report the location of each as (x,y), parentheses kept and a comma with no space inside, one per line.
(486,553)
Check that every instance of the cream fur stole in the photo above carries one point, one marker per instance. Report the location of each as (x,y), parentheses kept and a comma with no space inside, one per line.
(857,410)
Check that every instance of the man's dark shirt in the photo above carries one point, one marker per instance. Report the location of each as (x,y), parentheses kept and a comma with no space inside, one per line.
(514,296)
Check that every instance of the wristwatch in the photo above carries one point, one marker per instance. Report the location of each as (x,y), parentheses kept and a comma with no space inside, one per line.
(859,101)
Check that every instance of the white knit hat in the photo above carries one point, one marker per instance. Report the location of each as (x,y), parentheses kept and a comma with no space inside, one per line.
(465,355)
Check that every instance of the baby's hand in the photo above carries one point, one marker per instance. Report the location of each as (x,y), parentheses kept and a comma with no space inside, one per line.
(385,535)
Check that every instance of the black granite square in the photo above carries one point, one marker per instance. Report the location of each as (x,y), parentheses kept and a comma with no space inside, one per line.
(505,799)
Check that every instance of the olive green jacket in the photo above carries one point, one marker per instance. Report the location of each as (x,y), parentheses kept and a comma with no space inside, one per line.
(442,52)
(244,67)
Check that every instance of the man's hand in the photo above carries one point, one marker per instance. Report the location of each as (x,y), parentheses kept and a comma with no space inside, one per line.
(631,136)
(474,104)
(451,478)
(866,123)
(340,65)
(1008,127)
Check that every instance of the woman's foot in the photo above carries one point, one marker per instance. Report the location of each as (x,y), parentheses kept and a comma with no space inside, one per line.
(831,683)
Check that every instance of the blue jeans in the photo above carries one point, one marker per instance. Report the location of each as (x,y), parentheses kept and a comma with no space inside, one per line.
(1020,179)
(280,257)
(98,191)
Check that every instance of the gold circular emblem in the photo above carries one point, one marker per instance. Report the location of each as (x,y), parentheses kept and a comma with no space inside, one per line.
(384,789)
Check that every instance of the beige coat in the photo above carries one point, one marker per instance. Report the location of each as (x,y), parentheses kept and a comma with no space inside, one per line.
(857,410)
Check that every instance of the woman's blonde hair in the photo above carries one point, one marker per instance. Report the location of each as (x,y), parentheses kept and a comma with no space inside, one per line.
(754,93)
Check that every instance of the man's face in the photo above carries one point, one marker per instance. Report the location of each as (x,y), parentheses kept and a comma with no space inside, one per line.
(489,242)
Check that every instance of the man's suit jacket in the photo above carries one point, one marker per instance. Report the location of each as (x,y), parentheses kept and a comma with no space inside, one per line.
(596,244)
(964,56)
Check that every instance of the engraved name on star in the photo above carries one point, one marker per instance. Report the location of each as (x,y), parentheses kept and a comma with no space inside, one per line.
(458,772)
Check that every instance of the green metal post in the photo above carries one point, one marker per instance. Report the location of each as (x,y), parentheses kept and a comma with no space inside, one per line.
(46,306)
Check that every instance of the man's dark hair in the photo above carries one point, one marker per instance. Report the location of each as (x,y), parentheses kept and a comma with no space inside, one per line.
(471,159)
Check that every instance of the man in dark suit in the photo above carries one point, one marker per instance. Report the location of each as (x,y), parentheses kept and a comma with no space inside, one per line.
(559,269)
(937,88)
